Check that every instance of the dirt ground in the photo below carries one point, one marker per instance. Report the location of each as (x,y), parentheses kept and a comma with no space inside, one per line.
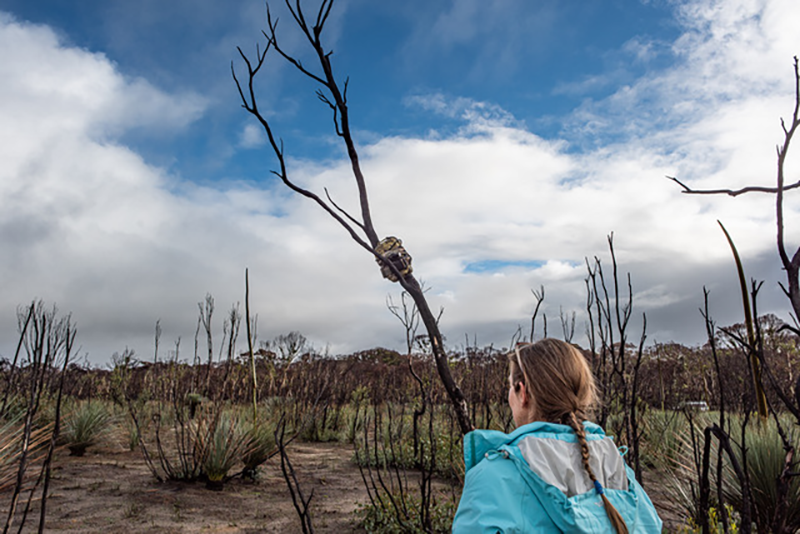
(110,491)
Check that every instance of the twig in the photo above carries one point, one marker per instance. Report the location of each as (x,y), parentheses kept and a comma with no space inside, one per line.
(302,507)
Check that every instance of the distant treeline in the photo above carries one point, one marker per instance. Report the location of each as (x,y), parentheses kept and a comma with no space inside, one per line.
(671,374)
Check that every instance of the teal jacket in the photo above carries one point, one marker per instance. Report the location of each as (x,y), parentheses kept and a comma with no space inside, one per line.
(532,480)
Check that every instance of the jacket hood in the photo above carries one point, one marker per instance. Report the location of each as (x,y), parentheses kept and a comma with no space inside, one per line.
(480,442)
(549,459)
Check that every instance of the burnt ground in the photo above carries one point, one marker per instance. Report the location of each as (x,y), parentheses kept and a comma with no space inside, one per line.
(111,490)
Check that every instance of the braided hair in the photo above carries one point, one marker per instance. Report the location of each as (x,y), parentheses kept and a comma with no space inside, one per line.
(613,514)
(565,396)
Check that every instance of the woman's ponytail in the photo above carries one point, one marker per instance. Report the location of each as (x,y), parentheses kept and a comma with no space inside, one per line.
(613,515)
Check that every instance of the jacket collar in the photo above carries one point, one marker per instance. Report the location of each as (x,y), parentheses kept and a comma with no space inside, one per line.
(478,443)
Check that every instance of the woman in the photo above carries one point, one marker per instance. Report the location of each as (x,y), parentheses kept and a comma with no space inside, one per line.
(556,472)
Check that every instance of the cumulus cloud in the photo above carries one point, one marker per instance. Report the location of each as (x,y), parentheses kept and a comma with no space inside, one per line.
(89,224)
(78,90)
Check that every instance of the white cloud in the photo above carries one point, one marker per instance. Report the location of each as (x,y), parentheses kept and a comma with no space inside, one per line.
(252,136)
(731,52)
(89,224)
(77,90)
(643,50)
(474,113)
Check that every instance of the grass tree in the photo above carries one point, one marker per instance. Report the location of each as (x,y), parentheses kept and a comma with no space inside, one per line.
(224,442)
(85,425)
(261,447)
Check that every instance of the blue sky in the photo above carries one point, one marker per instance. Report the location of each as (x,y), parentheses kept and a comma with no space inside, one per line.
(502,140)
(536,63)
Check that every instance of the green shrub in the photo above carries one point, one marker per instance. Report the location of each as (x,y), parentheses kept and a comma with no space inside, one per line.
(129,432)
(663,438)
(765,461)
(85,425)
(15,408)
(359,401)
(382,517)
(224,443)
(439,449)
(261,438)
(714,522)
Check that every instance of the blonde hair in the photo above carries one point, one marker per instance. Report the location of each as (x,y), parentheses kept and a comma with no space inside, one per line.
(564,392)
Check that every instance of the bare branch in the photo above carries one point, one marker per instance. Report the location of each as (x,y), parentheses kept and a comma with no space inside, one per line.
(336,100)
(297,13)
(731,192)
(567,326)
(350,217)
(249,103)
(272,38)
(790,265)
(289,475)
(321,18)
(409,318)
(324,99)
(539,296)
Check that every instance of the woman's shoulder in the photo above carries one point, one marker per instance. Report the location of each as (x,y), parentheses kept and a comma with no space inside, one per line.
(479,443)
(496,498)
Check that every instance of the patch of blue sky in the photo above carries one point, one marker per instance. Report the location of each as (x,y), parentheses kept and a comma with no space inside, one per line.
(537,61)
(377,50)
(493,266)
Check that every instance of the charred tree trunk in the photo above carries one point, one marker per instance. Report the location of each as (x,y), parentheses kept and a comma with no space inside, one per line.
(334,95)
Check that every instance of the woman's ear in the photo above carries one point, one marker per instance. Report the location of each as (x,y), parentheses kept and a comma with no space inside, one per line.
(522,391)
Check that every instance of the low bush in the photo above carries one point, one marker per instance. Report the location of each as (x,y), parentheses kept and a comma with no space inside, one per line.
(716,526)
(765,462)
(261,438)
(224,442)
(386,516)
(438,449)
(84,425)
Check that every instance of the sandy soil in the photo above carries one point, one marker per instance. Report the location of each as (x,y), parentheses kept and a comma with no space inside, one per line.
(110,491)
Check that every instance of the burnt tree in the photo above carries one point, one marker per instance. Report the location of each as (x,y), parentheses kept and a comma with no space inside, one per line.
(790,264)
(394,262)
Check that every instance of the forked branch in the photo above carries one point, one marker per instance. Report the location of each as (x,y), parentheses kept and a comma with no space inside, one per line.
(250,104)
(337,99)
(361,231)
